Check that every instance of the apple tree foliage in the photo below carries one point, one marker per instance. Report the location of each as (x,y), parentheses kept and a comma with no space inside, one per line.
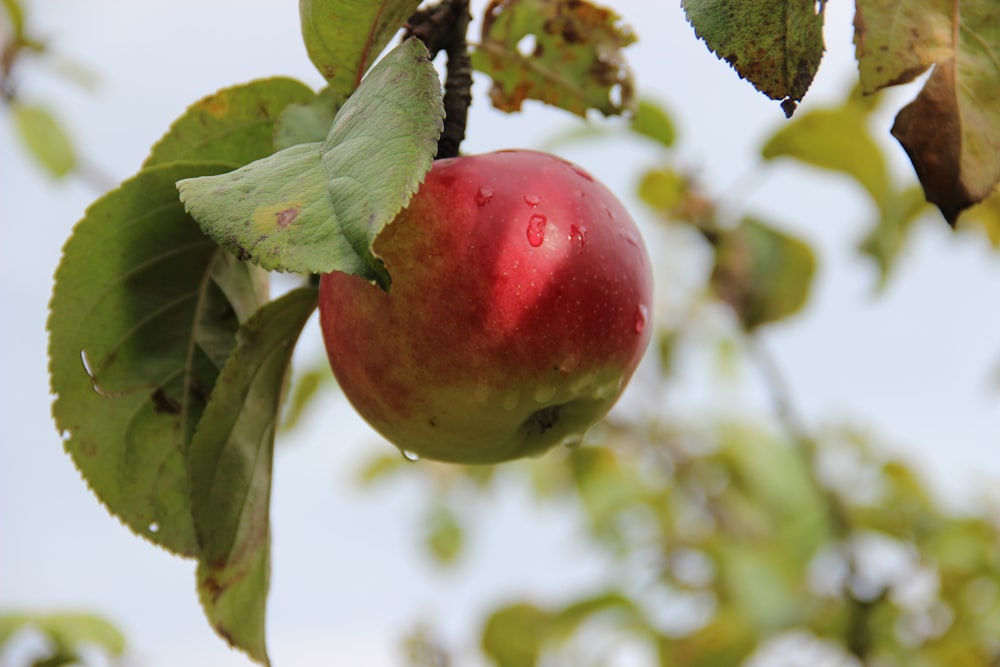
(169,361)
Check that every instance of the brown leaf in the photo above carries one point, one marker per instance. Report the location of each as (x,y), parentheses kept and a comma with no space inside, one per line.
(951,131)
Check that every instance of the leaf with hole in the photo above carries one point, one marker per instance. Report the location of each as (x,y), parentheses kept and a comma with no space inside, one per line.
(566,53)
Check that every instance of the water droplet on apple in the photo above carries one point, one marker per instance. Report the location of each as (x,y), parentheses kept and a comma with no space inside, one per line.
(632,240)
(409,456)
(581,172)
(536,230)
(641,318)
(511,400)
(483,196)
(583,384)
(578,236)
(545,393)
(610,213)
(570,363)
(531,200)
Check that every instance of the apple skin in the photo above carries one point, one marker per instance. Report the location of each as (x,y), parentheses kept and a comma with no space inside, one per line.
(519,308)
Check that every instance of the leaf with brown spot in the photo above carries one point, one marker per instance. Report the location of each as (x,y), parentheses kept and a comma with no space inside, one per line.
(230,461)
(776,45)
(951,131)
(574,63)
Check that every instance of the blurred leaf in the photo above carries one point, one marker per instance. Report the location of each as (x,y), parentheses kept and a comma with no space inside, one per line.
(951,131)
(774,44)
(513,635)
(305,387)
(987,215)
(444,534)
(380,467)
(234,125)
(725,640)
(230,461)
(307,122)
(136,342)
(566,53)
(345,37)
(761,583)
(666,347)
(763,274)
(66,631)
(45,138)
(836,139)
(318,207)
(565,622)
(663,189)
(71,631)
(15,14)
(887,237)
(652,120)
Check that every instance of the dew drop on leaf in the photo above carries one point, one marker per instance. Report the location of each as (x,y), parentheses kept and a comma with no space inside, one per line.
(536,230)
(154,527)
(409,456)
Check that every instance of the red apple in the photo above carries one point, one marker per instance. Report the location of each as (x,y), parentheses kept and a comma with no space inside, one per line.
(519,308)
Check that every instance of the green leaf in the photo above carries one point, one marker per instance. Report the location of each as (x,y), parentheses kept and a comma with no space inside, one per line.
(308,122)
(513,636)
(344,37)
(230,459)
(986,215)
(45,139)
(71,631)
(836,139)
(15,14)
(318,207)
(444,534)
(234,125)
(762,273)
(887,236)
(652,120)
(774,44)
(305,387)
(951,131)
(574,62)
(143,316)
(663,189)
(568,620)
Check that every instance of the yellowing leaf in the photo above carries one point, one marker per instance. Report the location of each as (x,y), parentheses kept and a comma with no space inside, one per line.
(951,131)
(986,215)
(566,53)
(774,44)
(45,139)
(837,139)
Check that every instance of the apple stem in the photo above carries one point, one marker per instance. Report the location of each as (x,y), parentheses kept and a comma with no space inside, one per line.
(442,27)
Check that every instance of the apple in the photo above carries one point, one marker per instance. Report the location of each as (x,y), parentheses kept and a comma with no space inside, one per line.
(519,309)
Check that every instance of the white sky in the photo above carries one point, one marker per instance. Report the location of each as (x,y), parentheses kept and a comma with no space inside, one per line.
(913,365)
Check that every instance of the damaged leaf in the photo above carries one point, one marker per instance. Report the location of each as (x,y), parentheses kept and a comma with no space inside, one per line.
(566,53)
(776,45)
(951,131)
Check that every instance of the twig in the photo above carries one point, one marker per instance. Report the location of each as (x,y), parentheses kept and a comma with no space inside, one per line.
(443,27)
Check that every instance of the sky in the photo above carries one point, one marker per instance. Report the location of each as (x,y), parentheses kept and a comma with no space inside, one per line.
(913,364)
